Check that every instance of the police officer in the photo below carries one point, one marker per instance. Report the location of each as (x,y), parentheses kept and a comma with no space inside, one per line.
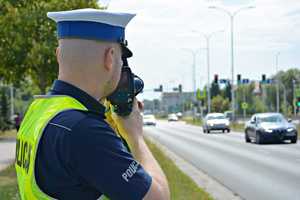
(65,148)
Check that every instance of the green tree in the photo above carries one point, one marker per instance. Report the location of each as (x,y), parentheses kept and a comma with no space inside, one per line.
(28,39)
(4,110)
(257,106)
(219,104)
(214,90)
(286,79)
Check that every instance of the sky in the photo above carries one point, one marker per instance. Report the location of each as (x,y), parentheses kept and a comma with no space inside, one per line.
(163,30)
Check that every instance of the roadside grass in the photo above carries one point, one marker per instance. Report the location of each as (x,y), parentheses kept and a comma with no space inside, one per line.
(9,134)
(159,117)
(181,186)
(8,184)
(237,127)
(191,120)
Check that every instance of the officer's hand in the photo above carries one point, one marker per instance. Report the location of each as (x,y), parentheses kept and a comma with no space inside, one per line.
(131,127)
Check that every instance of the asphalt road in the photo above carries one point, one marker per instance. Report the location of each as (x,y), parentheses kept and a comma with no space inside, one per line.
(7,152)
(254,172)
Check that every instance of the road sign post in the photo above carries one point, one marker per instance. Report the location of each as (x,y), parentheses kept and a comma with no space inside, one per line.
(244,107)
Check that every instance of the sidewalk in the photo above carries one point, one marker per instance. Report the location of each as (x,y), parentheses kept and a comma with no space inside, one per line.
(7,152)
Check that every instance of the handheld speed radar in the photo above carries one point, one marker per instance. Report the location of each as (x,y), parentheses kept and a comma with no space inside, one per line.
(128,87)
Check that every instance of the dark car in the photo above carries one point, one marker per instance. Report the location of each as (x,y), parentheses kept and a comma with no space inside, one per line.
(270,127)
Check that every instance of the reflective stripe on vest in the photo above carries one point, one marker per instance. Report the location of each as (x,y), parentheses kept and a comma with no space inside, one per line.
(39,113)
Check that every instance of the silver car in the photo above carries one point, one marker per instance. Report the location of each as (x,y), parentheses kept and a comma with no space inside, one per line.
(216,121)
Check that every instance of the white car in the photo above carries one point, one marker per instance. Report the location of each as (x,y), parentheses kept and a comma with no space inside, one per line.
(149,120)
(179,115)
(172,117)
(216,121)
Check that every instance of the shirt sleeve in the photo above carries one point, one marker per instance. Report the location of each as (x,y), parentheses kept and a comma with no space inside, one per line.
(103,162)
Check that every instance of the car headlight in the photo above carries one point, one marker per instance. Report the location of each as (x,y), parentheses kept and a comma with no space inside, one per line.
(210,124)
(268,130)
(227,123)
(290,129)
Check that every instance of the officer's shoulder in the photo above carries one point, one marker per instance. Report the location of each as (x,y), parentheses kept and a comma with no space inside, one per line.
(74,119)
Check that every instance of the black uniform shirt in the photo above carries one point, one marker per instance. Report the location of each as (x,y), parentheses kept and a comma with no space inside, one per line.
(81,157)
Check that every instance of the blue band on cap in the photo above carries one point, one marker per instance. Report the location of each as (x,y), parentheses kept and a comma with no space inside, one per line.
(90,30)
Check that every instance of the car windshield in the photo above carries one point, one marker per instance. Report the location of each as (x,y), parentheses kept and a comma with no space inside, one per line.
(216,117)
(271,119)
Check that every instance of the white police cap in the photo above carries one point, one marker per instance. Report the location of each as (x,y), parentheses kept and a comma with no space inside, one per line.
(93,24)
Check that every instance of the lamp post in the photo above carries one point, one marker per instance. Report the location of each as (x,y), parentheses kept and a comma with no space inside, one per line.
(232,15)
(194,54)
(207,38)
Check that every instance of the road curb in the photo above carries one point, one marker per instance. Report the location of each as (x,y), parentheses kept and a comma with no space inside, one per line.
(209,184)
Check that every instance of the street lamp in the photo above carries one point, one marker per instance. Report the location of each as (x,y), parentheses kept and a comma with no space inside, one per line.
(208,37)
(277,83)
(232,15)
(194,54)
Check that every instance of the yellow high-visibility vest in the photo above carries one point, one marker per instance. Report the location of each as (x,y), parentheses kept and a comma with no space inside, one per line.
(39,113)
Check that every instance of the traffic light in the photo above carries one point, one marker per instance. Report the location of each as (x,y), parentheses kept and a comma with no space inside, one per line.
(263,78)
(216,79)
(180,88)
(239,77)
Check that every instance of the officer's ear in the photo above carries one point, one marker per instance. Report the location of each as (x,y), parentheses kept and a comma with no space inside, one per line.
(109,58)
